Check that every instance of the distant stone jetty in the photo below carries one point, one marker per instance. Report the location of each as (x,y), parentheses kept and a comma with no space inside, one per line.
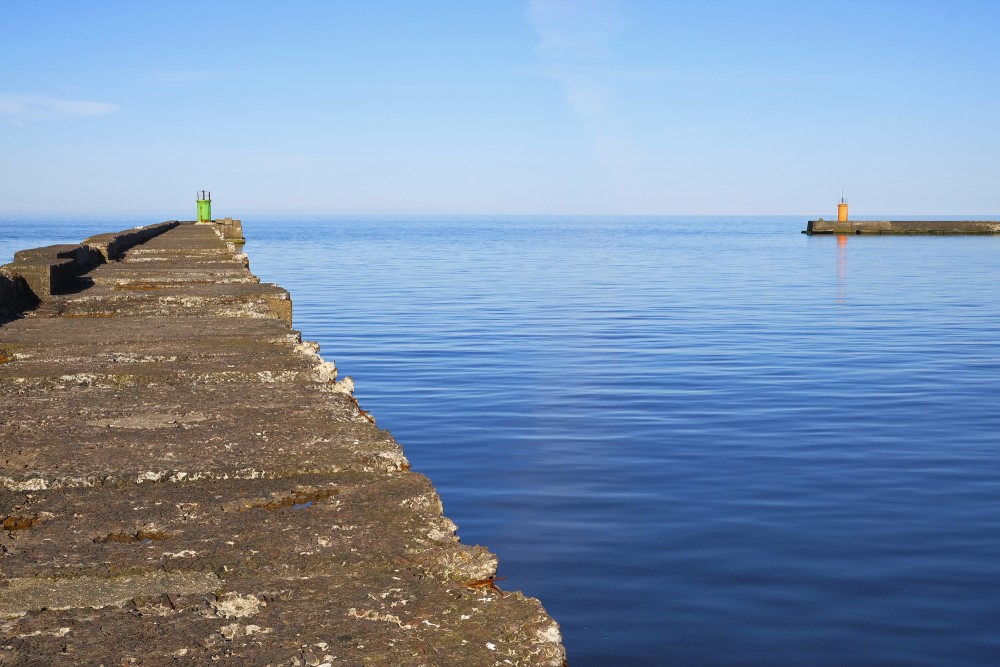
(183,480)
(898,227)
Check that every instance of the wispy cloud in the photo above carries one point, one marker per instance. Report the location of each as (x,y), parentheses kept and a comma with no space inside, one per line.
(23,109)
(184,76)
(576,30)
(577,49)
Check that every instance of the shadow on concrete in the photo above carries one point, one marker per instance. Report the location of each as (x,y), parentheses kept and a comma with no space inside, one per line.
(78,286)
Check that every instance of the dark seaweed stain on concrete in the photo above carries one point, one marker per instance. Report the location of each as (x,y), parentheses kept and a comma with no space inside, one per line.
(185,481)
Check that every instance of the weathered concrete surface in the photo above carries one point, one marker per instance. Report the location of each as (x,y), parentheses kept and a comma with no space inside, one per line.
(184,481)
(44,271)
(893,227)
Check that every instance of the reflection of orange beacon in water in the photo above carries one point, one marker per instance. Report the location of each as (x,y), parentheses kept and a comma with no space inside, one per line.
(842,210)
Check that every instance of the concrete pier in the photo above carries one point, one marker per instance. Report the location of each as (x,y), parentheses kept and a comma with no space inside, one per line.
(902,227)
(183,480)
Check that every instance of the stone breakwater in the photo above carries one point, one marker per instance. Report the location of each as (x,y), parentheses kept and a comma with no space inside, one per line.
(183,480)
(902,227)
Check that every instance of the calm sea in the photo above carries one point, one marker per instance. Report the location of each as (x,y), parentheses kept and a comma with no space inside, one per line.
(699,441)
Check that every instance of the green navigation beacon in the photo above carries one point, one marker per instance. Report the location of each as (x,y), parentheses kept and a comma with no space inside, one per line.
(204,206)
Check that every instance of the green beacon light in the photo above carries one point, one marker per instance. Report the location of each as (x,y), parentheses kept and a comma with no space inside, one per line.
(204,206)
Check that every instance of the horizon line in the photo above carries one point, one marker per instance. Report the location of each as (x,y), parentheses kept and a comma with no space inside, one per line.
(97,214)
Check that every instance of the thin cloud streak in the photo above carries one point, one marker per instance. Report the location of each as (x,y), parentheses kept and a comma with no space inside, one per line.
(23,109)
(576,49)
(576,30)
(185,76)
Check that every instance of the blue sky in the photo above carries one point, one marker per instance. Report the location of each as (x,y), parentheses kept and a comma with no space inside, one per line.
(500,106)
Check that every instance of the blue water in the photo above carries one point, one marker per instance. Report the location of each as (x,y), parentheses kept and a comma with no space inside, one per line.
(699,441)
